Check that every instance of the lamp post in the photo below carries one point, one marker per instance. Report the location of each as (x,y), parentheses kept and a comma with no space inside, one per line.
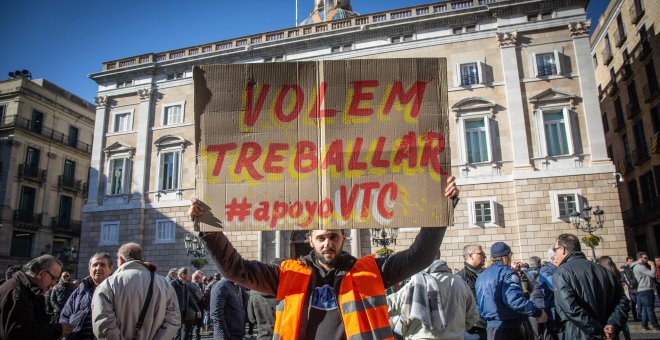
(582,220)
(384,237)
(194,246)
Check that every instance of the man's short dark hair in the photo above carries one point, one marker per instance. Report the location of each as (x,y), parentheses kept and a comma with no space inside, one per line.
(37,264)
(570,242)
(641,253)
(629,258)
(535,262)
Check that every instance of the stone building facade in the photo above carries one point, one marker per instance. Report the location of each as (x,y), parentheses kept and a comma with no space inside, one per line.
(625,54)
(527,141)
(45,151)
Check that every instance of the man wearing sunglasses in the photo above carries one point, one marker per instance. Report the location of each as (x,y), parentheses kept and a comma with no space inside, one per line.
(22,309)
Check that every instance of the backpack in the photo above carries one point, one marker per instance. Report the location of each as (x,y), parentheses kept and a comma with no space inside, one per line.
(629,278)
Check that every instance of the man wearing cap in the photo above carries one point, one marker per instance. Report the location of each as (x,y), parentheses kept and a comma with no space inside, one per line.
(501,300)
(588,300)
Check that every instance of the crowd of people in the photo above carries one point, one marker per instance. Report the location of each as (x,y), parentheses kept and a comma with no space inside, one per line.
(330,294)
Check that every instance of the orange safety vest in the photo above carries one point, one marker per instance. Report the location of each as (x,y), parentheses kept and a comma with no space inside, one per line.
(362,301)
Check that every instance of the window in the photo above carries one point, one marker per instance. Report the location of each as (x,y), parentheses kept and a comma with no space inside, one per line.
(647,186)
(618,110)
(2,115)
(72,140)
(26,202)
(32,156)
(165,231)
(476,141)
(457,30)
(341,48)
(595,61)
(606,124)
(401,38)
(176,75)
(633,192)
(652,85)
(173,114)
(169,170)
(470,29)
(69,173)
(482,212)
(533,17)
(37,121)
(469,74)
(274,59)
(563,203)
(21,244)
(641,151)
(66,205)
(125,83)
(546,15)
(118,170)
(123,122)
(610,152)
(109,234)
(546,64)
(556,130)
(626,151)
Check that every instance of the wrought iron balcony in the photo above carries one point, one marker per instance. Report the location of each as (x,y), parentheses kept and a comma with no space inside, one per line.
(27,217)
(66,224)
(56,136)
(69,183)
(31,172)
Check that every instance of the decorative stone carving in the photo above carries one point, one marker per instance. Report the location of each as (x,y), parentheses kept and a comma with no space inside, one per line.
(507,39)
(101,102)
(145,94)
(579,29)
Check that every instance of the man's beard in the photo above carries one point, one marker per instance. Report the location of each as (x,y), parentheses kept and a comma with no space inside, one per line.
(329,263)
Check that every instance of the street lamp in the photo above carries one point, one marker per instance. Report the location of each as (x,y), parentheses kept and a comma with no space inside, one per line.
(384,237)
(194,246)
(582,220)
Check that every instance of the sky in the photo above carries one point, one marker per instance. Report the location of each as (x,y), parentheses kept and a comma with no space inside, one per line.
(66,40)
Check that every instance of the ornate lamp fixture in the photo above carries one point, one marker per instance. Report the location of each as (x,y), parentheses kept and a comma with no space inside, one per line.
(194,246)
(583,221)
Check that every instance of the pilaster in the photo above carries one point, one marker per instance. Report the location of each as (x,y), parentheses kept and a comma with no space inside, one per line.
(591,106)
(95,166)
(520,146)
(140,172)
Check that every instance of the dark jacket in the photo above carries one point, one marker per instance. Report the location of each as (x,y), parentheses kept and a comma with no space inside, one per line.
(264,277)
(60,294)
(186,300)
(500,298)
(261,311)
(543,295)
(23,311)
(227,311)
(469,274)
(587,298)
(78,311)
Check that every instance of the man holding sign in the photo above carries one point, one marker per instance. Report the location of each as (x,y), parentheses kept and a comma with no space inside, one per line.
(328,294)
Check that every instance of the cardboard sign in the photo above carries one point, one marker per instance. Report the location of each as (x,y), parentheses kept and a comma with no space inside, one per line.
(324,144)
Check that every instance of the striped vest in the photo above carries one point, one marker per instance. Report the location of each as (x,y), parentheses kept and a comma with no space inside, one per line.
(362,301)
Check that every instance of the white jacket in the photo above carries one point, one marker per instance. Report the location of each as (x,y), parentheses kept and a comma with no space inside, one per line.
(118,300)
(457,306)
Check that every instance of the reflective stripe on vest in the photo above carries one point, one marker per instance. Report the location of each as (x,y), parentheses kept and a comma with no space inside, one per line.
(362,301)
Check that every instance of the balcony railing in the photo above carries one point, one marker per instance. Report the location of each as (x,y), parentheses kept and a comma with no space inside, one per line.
(414,11)
(66,224)
(69,183)
(31,172)
(636,11)
(27,217)
(469,79)
(56,136)
(547,70)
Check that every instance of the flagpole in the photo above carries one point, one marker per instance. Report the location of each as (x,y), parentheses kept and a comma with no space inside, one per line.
(296,13)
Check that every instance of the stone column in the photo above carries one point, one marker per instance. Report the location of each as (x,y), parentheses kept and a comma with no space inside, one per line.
(140,172)
(514,102)
(278,244)
(95,166)
(591,106)
(355,242)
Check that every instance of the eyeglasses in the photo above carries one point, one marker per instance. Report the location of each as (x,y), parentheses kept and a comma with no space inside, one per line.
(556,248)
(53,277)
(645,258)
(480,254)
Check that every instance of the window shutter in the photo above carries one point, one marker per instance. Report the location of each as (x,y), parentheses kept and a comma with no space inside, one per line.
(108,179)
(480,72)
(126,181)
(488,124)
(493,212)
(558,62)
(540,132)
(457,75)
(534,71)
(568,118)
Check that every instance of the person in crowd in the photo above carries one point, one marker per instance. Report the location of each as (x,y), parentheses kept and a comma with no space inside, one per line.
(609,264)
(78,308)
(208,322)
(60,294)
(628,278)
(330,278)
(434,304)
(187,304)
(657,275)
(172,274)
(10,272)
(22,309)
(118,301)
(543,297)
(645,275)
(530,273)
(589,303)
(500,298)
(197,288)
(261,310)
(474,258)
(227,311)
